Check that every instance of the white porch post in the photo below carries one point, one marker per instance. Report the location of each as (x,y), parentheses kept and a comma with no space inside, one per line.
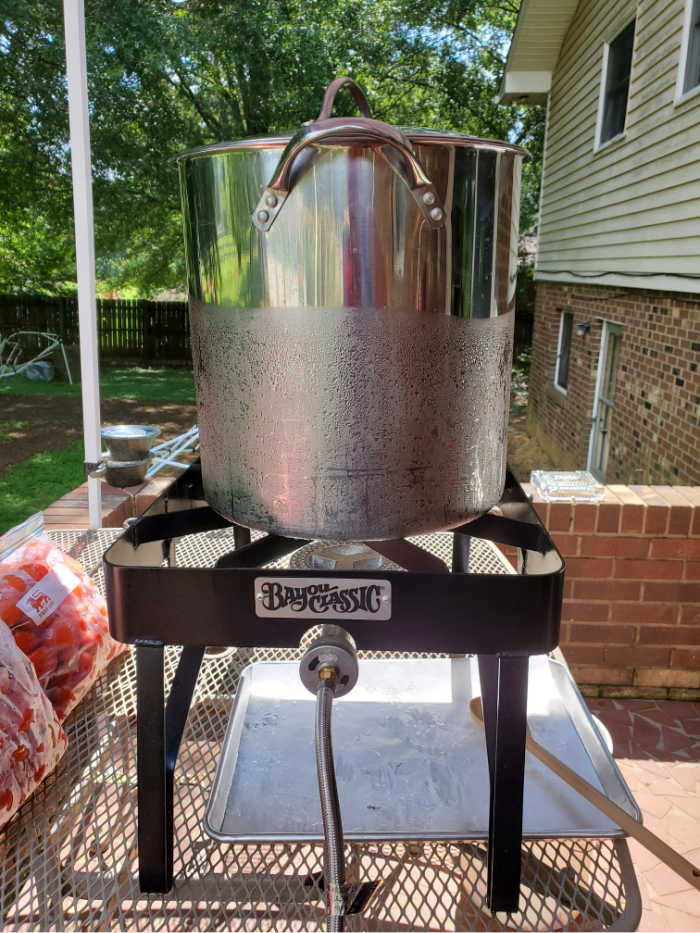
(76,69)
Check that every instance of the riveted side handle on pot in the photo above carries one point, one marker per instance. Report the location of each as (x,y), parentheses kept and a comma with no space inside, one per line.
(348,130)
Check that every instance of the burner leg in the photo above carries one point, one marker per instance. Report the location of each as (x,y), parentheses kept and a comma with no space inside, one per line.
(460,552)
(504,702)
(152,795)
(159,731)
(241,536)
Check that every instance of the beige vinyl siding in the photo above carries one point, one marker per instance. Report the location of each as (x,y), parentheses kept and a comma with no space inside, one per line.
(632,205)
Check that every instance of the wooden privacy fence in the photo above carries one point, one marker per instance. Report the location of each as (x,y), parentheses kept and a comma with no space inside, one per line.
(129,330)
(148,332)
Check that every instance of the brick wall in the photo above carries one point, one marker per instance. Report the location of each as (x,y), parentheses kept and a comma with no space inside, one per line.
(631,616)
(655,434)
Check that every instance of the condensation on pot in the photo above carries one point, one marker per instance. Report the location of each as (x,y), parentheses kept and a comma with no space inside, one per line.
(350,423)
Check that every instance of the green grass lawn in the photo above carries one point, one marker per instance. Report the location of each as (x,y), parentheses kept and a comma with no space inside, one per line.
(45,477)
(39,481)
(143,385)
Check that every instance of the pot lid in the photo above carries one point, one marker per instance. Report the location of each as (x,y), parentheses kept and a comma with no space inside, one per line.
(343,131)
(415,134)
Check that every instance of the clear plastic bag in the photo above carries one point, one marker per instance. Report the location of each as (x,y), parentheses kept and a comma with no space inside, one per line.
(31,738)
(58,619)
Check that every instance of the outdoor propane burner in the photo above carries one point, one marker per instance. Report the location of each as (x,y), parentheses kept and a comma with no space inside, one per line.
(503,619)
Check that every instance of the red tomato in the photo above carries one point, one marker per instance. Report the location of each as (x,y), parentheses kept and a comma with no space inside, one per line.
(44,661)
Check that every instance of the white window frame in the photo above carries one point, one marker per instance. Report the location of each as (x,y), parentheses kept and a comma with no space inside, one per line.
(682,96)
(598,145)
(557,365)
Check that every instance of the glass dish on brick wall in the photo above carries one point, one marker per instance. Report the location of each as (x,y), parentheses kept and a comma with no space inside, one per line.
(567,486)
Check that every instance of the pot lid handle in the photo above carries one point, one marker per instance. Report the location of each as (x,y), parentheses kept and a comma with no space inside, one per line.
(333,88)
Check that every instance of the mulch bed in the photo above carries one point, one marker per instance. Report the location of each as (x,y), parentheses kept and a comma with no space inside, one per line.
(51,423)
(524,453)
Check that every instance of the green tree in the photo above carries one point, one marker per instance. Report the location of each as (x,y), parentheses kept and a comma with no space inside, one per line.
(165,75)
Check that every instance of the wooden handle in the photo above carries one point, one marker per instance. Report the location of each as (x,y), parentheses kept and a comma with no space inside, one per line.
(649,840)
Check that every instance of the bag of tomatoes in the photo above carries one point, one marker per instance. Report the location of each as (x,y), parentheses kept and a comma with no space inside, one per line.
(58,618)
(32,739)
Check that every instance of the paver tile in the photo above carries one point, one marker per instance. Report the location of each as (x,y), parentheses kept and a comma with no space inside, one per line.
(673,710)
(662,716)
(679,920)
(694,856)
(658,751)
(643,858)
(653,921)
(633,705)
(652,805)
(687,775)
(691,806)
(616,716)
(663,880)
(678,827)
(646,733)
(673,741)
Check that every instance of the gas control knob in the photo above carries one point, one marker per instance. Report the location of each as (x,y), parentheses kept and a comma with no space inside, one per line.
(331,654)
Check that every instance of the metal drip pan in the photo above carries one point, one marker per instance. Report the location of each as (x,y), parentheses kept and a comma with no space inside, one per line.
(410,760)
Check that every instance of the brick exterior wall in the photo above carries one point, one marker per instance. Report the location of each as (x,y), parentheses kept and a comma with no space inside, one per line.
(655,433)
(631,615)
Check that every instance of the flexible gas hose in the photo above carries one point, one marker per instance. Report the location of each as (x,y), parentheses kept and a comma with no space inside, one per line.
(334,867)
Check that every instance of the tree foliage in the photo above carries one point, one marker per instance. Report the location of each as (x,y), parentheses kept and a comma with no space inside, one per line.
(165,75)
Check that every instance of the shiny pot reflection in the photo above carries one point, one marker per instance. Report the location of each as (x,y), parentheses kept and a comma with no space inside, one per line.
(327,407)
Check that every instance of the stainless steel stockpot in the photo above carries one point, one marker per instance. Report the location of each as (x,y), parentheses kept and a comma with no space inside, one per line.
(351,298)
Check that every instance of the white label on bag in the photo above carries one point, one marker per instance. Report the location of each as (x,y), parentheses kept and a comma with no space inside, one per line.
(46,596)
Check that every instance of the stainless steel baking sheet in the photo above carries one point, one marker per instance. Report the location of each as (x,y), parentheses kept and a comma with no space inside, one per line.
(410,760)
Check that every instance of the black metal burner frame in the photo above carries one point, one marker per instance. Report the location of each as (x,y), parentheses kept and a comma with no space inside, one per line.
(501,618)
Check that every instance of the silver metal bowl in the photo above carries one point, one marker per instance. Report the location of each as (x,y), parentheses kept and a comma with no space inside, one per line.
(128,442)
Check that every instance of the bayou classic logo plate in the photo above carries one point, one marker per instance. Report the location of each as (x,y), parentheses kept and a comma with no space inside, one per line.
(323,599)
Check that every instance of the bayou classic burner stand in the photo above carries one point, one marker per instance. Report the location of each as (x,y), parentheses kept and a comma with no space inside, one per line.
(504,619)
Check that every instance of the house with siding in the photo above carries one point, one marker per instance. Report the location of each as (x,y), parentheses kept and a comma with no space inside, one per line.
(614,383)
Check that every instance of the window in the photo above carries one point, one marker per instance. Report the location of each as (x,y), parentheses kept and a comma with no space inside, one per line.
(690,69)
(561,373)
(616,84)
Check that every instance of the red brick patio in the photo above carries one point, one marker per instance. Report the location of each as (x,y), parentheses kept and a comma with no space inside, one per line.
(657,748)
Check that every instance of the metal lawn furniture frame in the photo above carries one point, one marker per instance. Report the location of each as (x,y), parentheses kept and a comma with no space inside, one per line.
(12,352)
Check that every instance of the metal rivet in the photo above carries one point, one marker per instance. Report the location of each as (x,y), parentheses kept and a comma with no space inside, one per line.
(428,198)
(271,200)
(436,214)
(263,217)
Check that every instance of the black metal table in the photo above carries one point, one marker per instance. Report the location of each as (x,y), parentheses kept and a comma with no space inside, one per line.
(70,856)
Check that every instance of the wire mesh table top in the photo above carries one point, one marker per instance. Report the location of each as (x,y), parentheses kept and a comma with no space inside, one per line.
(69,857)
